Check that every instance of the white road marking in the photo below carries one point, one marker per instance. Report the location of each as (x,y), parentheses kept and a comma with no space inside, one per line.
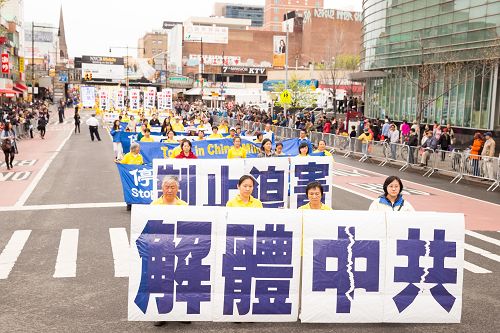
(482,252)
(409,181)
(11,252)
(120,247)
(355,192)
(475,269)
(67,253)
(64,206)
(482,237)
(22,199)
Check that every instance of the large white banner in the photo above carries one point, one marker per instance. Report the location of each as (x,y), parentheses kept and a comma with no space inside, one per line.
(167,94)
(161,100)
(304,170)
(135,95)
(212,182)
(87,96)
(103,100)
(149,98)
(258,266)
(119,99)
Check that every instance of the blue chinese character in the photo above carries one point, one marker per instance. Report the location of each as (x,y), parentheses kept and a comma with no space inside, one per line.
(226,184)
(345,278)
(437,249)
(187,181)
(309,173)
(270,266)
(270,187)
(158,248)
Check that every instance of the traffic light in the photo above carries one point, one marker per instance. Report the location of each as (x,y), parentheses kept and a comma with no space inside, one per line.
(87,76)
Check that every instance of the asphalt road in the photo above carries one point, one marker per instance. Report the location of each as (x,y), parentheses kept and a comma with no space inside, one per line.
(32,300)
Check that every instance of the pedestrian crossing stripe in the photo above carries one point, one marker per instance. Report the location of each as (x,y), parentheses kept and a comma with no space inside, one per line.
(67,254)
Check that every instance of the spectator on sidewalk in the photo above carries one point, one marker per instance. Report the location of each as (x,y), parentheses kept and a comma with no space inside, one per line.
(392,199)
(488,155)
(42,124)
(430,145)
(93,125)
(445,143)
(413,144)
(394,140)
(475,152)
(365,139)
(60,111)
(8,144)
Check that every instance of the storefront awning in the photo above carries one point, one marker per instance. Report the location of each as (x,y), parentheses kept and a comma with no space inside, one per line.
(20,87)
(193,92)
(8,92)
(364,75)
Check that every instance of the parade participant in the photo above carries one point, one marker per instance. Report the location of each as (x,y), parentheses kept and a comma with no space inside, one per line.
(177,126)
(392,199)
(238,131)
(201,135)
(147,136)
(133,157)
(165,127)
(155,122)
(93,125)
(132,124)
(279,149)
(237,151)
(259,136)
(322,148)
(268,133)
(223,127)
(186,152)
(303,150)
(77,120)
(170,137)
(8,144)
(215,133)
(245,198)
(170,188)
(141,133)
(115,134)
(232,133)
(314,192)
(266,149)
(304,139)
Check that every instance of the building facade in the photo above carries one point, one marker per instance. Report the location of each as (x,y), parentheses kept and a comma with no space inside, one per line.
(152,44)
(433,60)
(239,11)
(275,9)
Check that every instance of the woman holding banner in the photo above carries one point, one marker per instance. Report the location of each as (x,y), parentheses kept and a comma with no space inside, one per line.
(322,148)
(392,199)
(303,150)
(186,152)
(236,151)
(165,127)
(314,192)
(115,134)
(170,137)
(266,149)
(245,199)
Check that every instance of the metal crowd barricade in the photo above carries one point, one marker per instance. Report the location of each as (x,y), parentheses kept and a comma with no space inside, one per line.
(315,137)
(496,182)
(330,140)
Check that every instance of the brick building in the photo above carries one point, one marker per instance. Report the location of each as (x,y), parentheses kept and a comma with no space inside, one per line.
(275,9)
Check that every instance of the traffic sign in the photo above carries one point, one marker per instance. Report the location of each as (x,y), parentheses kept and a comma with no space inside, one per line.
(285,97)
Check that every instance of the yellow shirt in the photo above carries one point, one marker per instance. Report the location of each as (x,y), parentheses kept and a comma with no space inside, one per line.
(323,207)
(145,139)
(237,202)
(171,141)
(236,153)
(178,127)
(223,129)
(176,151)
(130,158)
(215,136)
(178,202)
(327,153)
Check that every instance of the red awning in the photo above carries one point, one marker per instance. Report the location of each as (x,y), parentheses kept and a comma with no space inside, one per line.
(20,86)
(8,91)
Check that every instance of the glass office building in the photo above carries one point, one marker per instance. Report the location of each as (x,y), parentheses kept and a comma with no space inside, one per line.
(402,37)
(254,13)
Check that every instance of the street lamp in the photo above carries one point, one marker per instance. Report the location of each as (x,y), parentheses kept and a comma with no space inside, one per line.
(126,66)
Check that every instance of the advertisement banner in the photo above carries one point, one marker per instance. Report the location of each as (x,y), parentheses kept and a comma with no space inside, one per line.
(87,96)
(103,100)
(135,95)
(149,98)
(279,51)
(5,63)
(137,183)
(168,98)
(207,34)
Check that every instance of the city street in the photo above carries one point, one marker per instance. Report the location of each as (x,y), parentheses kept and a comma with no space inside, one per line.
(64,227)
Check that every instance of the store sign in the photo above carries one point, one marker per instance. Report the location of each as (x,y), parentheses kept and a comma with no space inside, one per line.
(169,24)
(5,63)
(180,82)
(102,60)
(332,14)
(243,70)
(40,36)
(21,65)
(206,34)
(213,60)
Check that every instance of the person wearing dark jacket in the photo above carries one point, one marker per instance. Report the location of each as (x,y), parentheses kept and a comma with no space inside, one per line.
(430,144)
(42,123)
(445,143)
(413,143)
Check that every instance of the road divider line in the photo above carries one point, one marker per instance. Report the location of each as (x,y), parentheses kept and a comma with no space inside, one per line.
(482,252)
(482,237)
(355,192)
(67,254)
(120,248)
(64,206)
(11,252)
(31,187)
(475,269)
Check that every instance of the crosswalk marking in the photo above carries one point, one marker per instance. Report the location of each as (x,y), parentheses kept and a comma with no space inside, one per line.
(11,252)
(482,252)
(120,247)
(482,237)
(474,268)
(66,255)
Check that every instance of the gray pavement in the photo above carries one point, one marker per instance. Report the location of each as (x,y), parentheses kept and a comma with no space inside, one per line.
(96,301)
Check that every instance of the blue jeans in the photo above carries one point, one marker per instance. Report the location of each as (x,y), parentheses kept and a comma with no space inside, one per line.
(393,151)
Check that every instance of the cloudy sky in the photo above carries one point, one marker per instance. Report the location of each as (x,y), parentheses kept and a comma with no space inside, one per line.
(92,26)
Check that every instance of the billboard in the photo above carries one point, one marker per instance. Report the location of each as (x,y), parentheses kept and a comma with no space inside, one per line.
(110,68)
(243,70)
(279,51)
(211,35)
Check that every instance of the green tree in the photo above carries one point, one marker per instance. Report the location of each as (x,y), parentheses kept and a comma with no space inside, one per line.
(302,96)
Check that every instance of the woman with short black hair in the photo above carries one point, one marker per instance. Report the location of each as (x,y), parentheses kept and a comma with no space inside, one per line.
(392,199)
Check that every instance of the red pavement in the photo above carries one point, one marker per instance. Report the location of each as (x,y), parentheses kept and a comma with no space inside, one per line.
(33,155)
(479,215)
